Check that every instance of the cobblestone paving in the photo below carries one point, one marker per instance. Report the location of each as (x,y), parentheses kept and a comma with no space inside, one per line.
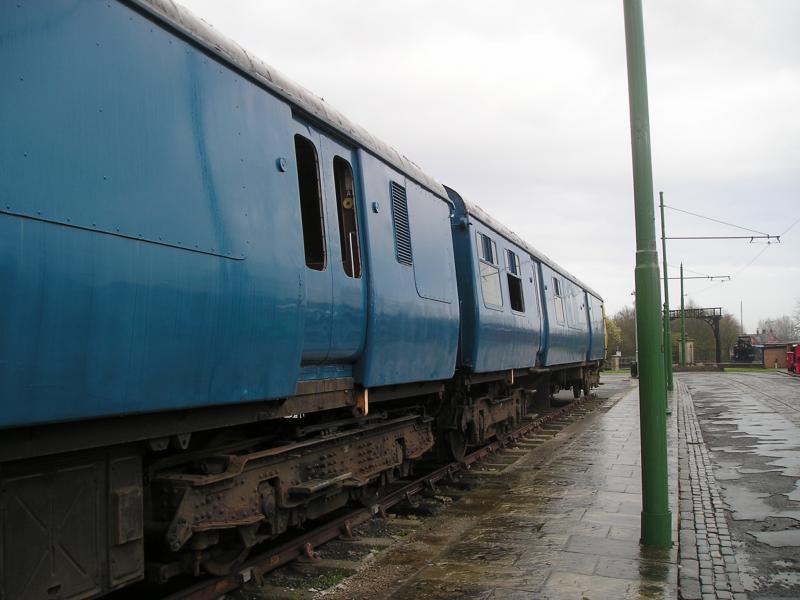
(707,560)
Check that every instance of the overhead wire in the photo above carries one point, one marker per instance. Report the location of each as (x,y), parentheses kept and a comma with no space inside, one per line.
(705,289)
(748,264)
(716,284)
(737,273)
(764,249)
(790,226)
(715,220)
(754,259)
(687,269)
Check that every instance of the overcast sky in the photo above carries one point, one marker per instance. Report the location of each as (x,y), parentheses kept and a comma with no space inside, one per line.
(523,108)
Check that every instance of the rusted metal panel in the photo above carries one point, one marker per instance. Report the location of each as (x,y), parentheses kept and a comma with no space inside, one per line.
(343,525)
(261,491)
(125,520)
(127,503)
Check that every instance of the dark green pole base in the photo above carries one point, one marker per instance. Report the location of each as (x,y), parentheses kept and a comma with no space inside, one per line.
(657,530)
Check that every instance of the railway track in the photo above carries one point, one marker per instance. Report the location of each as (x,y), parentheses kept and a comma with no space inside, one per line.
(304,545)
(753,388)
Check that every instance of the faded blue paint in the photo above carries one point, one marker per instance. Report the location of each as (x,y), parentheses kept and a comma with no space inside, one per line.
(493,338)
(318,288)
(410,337)
(335,307)
(597,328)
(333,371)
(349,301)
(568,325)
(150,251)
(541,359)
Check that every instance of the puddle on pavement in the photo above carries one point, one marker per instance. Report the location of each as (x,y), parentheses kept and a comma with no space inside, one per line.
(785,578)
(757,471)
(484,553)
(754,442)
(728,471)
(763,434)
(746,505)
(777,539)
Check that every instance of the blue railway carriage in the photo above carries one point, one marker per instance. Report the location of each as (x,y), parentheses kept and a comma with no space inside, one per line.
(227,309)
(527,325)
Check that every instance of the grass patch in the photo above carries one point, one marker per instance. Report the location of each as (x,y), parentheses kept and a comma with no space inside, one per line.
(746,369)
(616,372)
(331,579)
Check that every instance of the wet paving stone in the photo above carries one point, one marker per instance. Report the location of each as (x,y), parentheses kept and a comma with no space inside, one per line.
(635,570)
(750,423)
(482,576)
(566,585)
(560,522)
(603,546)
(584,564)
(494,553)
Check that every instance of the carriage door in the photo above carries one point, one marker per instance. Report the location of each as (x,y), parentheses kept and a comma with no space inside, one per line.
(318,263)
(344,206)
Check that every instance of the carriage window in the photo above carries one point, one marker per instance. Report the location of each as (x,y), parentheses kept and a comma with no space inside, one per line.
(487,249)
(346,207)
(558,300)
(490,284)
(514,276)
(489,273)
(512,262)
(310,202)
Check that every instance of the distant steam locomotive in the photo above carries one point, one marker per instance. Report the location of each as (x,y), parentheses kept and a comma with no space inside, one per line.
(744,351)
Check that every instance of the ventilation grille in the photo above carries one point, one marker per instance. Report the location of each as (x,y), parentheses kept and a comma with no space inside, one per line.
(402,231)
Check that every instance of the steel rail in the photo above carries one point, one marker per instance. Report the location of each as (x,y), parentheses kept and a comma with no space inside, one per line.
(754,388)
(304,544)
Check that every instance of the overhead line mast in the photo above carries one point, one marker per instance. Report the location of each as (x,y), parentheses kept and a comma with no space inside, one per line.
(656,516)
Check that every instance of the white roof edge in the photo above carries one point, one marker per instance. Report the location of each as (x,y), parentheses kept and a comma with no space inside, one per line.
(203,34)
(488,220)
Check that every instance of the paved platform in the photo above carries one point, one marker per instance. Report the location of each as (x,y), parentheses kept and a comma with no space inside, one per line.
(561,522)
(708,564)
(745,436)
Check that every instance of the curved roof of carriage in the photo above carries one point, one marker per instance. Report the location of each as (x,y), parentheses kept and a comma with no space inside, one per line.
(488,220)
(180,19)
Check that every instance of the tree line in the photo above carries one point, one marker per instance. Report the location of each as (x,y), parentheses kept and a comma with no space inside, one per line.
(785,328)
(621,330)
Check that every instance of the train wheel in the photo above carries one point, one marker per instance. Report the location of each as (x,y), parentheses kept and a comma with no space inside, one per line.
(456,444)
(587,386)
(504,432)
(223,560)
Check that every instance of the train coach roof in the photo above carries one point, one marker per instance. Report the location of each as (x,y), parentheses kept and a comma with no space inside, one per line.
(189,25)
(186,23)
(480,214)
